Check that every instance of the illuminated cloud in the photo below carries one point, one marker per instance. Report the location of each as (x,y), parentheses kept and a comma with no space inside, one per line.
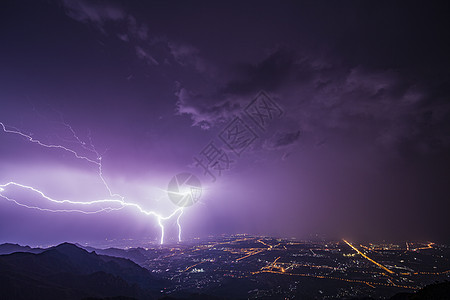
(142,54)
(206,111)
(91,11)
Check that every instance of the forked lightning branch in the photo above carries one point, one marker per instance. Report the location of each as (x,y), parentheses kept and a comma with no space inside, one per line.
(186,192)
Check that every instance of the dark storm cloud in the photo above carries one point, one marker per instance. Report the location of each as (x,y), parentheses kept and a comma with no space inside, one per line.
(188,55)
(206,110)
(284,139)
(91,11)
(113,20)
(321,94)
(356,83)
(270,74)
(142,54)
(101,14)
(110,19)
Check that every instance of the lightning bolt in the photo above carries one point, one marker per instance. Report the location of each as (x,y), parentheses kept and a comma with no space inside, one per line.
(115,199)
(179,225)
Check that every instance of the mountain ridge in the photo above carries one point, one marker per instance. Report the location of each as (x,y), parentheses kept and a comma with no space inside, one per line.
(70,272)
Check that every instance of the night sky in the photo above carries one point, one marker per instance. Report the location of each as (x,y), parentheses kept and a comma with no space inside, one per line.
(359,148)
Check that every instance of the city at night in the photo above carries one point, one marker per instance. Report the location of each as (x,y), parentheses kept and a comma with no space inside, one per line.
(224,150)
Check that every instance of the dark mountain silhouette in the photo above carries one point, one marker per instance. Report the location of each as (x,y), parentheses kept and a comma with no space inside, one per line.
(8,248)
(437,291)
(69,272)
(138,255)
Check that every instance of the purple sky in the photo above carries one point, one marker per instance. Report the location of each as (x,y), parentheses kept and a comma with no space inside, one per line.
(361,151)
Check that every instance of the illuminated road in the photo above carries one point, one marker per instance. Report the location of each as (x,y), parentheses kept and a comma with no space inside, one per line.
(250,254)
(368,258)
(371,284)
(266,260)
(190,267)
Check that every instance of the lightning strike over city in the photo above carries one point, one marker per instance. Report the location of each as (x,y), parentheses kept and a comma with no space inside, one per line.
(224,150)
(105,203)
